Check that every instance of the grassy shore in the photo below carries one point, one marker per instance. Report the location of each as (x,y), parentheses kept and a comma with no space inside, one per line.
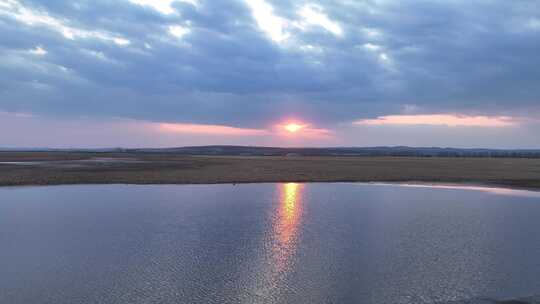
(55,168)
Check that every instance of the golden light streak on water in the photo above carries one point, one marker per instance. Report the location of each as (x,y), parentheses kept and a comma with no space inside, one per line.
(286,224)
(281,244)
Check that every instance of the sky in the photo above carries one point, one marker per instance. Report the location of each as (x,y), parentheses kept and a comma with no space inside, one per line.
(164,73)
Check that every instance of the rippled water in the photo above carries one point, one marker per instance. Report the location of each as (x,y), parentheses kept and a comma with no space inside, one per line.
(267,243)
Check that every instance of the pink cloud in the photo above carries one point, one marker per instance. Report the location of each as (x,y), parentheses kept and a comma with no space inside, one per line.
(317,133)
(209,129)
(451,120)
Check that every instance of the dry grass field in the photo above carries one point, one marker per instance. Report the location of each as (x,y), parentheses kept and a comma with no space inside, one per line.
(54,168)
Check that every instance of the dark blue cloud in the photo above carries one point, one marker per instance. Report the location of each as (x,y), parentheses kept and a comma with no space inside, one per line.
(458,56)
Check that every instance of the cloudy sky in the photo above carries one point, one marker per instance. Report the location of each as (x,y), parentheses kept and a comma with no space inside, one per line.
(154,73)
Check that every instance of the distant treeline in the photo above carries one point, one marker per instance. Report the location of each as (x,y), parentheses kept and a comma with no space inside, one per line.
(346,151)
(337,151)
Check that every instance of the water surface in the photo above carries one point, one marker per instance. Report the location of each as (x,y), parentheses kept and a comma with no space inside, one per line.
(267,243)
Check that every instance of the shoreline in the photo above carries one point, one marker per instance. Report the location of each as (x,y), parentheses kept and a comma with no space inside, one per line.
(36,169)
(481,187)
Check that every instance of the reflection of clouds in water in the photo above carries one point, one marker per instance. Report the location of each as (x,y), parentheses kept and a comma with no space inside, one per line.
(491,190)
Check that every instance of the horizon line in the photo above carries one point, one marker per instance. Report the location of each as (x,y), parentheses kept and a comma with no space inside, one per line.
(44,149)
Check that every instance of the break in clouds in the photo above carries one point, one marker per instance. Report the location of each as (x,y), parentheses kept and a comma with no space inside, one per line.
(251,63)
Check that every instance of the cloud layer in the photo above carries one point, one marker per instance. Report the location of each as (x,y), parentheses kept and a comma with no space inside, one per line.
(248,64)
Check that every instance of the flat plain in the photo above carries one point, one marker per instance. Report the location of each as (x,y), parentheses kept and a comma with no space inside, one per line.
(55,168)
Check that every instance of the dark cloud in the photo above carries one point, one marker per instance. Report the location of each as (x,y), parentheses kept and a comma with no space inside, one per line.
(458,56)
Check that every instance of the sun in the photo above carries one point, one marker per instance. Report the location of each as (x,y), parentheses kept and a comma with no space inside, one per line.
(293,127)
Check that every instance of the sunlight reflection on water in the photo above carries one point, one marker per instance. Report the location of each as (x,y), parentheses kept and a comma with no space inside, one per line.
(285,228)
(281,244)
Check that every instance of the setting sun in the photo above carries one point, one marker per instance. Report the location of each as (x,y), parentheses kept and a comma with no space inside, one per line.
(293,127)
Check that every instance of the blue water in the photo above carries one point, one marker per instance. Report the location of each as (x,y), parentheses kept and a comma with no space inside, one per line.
(267,243)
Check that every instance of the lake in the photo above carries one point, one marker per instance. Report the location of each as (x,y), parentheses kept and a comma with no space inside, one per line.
(267,243)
